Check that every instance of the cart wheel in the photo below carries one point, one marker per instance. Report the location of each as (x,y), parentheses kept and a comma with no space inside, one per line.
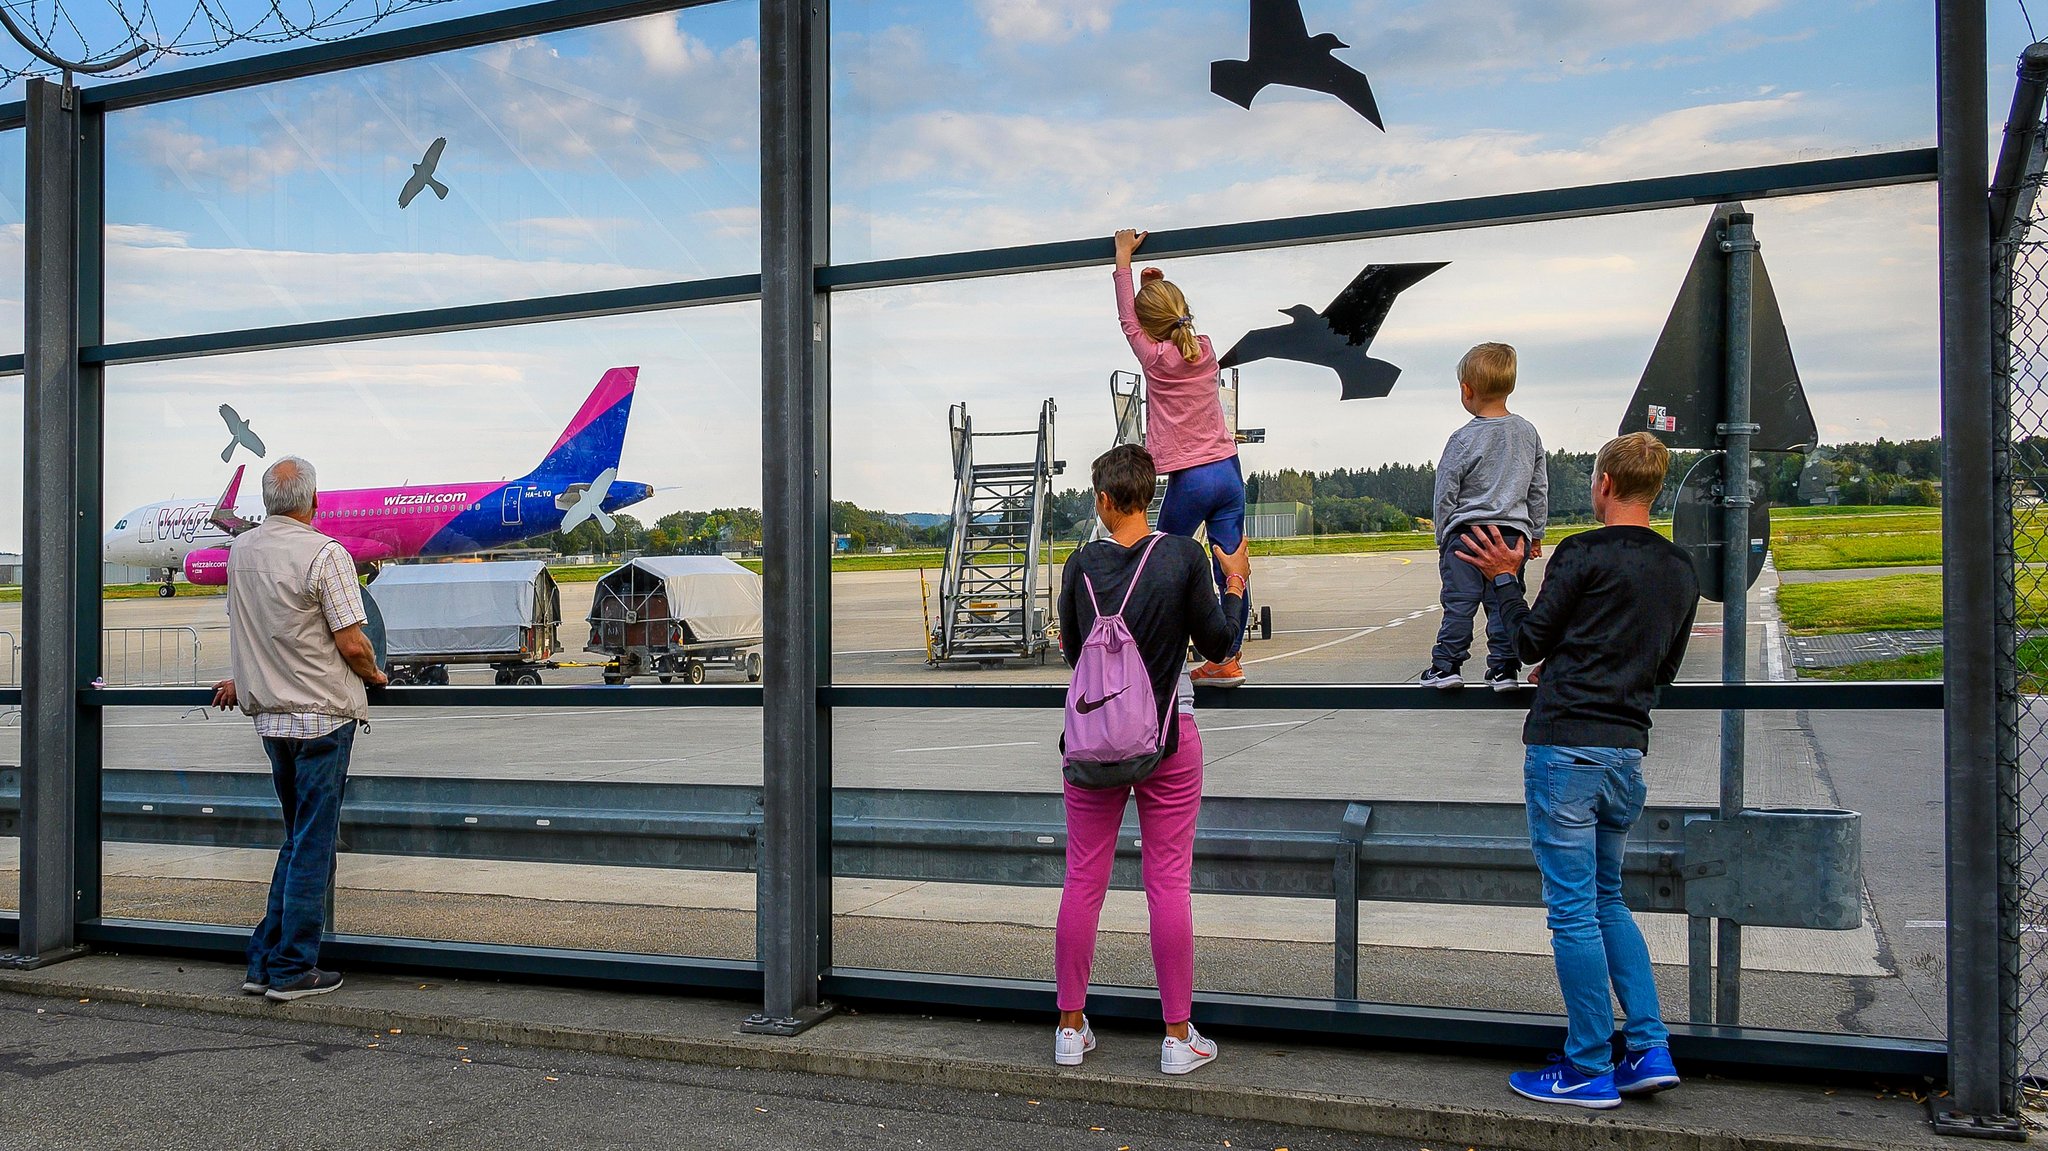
(438,675)
(526,677)
(502,678)
(694,671)
(1266,622)
(754,667)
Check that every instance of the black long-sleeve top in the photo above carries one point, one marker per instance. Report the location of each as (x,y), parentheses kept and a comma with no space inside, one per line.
(1609,628)
(1175,603)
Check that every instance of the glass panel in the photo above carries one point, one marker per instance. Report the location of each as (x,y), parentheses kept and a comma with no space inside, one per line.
(1359,600)
(1040,122)
(596,158)
(508,825)
(12,412)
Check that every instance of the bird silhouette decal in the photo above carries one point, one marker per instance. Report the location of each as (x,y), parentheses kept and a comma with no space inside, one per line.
(1282,52)
(422,176)
(587,503)
(1337,337)
(243,435)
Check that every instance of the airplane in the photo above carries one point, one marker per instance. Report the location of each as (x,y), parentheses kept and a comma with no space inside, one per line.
(422,176)
(378,524)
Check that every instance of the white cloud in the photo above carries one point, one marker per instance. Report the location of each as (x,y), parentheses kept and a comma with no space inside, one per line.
(1044,21)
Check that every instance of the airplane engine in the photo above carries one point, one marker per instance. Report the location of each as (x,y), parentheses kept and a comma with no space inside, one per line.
(207,567)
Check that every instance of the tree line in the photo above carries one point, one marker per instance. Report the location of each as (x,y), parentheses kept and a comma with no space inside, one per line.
(732,530)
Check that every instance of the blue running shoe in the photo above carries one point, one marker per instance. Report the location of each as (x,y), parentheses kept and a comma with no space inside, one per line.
(1645,1072)
(1563,1083)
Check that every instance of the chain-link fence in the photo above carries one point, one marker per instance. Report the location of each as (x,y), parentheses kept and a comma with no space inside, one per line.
(2021,296)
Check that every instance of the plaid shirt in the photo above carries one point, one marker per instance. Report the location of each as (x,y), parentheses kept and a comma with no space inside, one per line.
(333,578)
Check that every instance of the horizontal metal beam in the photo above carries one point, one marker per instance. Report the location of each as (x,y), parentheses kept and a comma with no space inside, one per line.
(1498,1032)
(11,365)
(373,48)
(1800,178)
(443,957)
(465,317)
(1897,696)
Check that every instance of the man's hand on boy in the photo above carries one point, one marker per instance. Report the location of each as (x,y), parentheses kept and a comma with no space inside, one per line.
(1237,563)
(1535,549)
(1486,550)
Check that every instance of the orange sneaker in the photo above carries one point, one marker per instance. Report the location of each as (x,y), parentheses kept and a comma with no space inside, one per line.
(1229,673)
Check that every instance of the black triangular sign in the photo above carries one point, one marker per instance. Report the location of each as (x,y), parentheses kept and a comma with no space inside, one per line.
(1683,387)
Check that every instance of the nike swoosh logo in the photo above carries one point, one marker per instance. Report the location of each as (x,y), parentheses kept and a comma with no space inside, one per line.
(1093,705)
(1561,1089)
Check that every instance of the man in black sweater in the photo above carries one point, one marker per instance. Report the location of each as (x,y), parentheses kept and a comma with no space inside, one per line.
(1609,629)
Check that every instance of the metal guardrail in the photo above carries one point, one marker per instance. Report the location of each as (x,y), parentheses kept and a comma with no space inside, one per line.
(10,659)
(1344,851)
(149,656)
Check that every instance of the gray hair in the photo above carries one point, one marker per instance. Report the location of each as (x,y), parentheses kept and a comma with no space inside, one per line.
(288,487)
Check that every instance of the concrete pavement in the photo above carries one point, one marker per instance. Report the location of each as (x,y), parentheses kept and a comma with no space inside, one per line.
(244,1055)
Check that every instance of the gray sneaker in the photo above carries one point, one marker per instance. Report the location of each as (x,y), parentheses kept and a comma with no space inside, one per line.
(1440,679)
(314,982)
(1504,680)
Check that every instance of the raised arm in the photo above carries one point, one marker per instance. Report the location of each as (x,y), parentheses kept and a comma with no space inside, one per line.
(1214,627)
(1142,345)
(1536,630)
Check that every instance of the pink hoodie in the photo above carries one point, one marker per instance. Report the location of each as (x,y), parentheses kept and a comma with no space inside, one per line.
(1183,413)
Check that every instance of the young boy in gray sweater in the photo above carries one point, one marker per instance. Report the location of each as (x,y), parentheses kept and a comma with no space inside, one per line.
(1493,472)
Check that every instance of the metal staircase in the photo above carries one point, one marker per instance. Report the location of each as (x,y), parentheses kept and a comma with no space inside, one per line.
(996,594)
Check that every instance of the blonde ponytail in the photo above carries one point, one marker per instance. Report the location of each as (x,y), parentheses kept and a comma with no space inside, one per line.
(1163,313)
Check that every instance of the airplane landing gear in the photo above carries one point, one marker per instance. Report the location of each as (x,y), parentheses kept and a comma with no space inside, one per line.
(166,591)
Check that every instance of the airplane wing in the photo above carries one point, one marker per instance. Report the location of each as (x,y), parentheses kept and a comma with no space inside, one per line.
(224,516)
(1277,26)
(364,550)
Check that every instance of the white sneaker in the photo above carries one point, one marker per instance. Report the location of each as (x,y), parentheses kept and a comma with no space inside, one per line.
(1069,1045)
(1180,1056)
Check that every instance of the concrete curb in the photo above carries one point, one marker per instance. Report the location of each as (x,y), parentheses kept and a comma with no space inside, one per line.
(1429,1122)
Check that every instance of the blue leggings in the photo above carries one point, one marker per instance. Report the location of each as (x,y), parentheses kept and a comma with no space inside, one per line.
(1212,494)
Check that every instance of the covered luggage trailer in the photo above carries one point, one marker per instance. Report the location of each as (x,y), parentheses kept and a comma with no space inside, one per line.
(504,614)
(669,616)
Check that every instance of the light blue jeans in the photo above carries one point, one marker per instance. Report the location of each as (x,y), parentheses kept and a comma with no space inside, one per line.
(1582,801)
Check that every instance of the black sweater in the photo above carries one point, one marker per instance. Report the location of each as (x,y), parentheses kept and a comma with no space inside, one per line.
(1174,604)
(1609,628)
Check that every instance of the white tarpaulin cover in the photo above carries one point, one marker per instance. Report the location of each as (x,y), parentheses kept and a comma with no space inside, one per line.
(717,598)
(459,608)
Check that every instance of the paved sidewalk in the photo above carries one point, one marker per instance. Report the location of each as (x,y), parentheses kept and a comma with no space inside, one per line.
(1431,1099)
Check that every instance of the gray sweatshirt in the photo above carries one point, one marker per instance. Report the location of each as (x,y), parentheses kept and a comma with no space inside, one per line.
(1493,472)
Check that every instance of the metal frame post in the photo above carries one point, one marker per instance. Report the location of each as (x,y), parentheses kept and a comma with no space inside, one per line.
(1980,1103)
(1739,244)
(53,521)
(793,904)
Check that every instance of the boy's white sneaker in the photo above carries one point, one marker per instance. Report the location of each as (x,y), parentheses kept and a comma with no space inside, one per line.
(1069,1045)
(1180,1056)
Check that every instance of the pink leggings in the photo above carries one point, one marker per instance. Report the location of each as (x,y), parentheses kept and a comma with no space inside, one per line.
(1168,801)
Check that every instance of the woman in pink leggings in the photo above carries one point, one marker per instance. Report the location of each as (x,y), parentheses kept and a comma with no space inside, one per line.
(1171,603)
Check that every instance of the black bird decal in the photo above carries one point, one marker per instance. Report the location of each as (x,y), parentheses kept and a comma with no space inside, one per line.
(1284,53)
(1338,336)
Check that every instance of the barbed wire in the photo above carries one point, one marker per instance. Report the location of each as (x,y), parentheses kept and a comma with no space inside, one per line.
(130,36)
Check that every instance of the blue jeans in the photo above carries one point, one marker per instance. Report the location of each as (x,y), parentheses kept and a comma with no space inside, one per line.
(1582,801)
(1465,589)
(309,775)
(1212,494)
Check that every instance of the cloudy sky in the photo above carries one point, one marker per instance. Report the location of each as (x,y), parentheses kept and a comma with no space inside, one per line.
(627,155)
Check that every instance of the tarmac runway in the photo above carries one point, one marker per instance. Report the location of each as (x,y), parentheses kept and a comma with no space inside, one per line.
(1337,619)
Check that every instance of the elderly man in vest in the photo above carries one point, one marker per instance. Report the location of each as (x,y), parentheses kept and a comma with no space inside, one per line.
(299,662)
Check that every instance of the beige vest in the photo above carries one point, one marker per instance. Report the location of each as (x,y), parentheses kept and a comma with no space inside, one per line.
(281,653)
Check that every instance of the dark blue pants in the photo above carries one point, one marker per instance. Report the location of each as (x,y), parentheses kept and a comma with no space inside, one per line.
(309,775)
(1466,588)
(1212,494)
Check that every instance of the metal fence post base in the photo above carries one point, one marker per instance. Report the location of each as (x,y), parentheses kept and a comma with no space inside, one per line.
(1959,1125)
(801,1021)
(19,961)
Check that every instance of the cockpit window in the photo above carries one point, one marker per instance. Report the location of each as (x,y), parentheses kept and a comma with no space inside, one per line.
(122,526)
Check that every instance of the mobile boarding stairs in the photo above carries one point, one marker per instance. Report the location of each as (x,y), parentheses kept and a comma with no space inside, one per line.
(996,593)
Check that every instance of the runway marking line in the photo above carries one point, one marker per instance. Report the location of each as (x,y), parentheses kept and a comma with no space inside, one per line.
(966,747)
